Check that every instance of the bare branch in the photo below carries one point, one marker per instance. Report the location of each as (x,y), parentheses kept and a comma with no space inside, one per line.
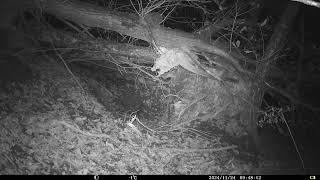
(309,2)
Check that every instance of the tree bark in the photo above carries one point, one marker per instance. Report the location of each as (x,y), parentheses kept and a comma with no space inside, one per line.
(93,49)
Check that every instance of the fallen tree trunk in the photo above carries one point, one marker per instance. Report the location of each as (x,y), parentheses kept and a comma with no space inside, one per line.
(133,26)
(93,48)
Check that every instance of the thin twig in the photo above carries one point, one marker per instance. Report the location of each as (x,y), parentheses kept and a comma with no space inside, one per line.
(293,141)
(233,24)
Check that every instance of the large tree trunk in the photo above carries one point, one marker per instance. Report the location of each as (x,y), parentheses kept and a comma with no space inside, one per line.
(276,43)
